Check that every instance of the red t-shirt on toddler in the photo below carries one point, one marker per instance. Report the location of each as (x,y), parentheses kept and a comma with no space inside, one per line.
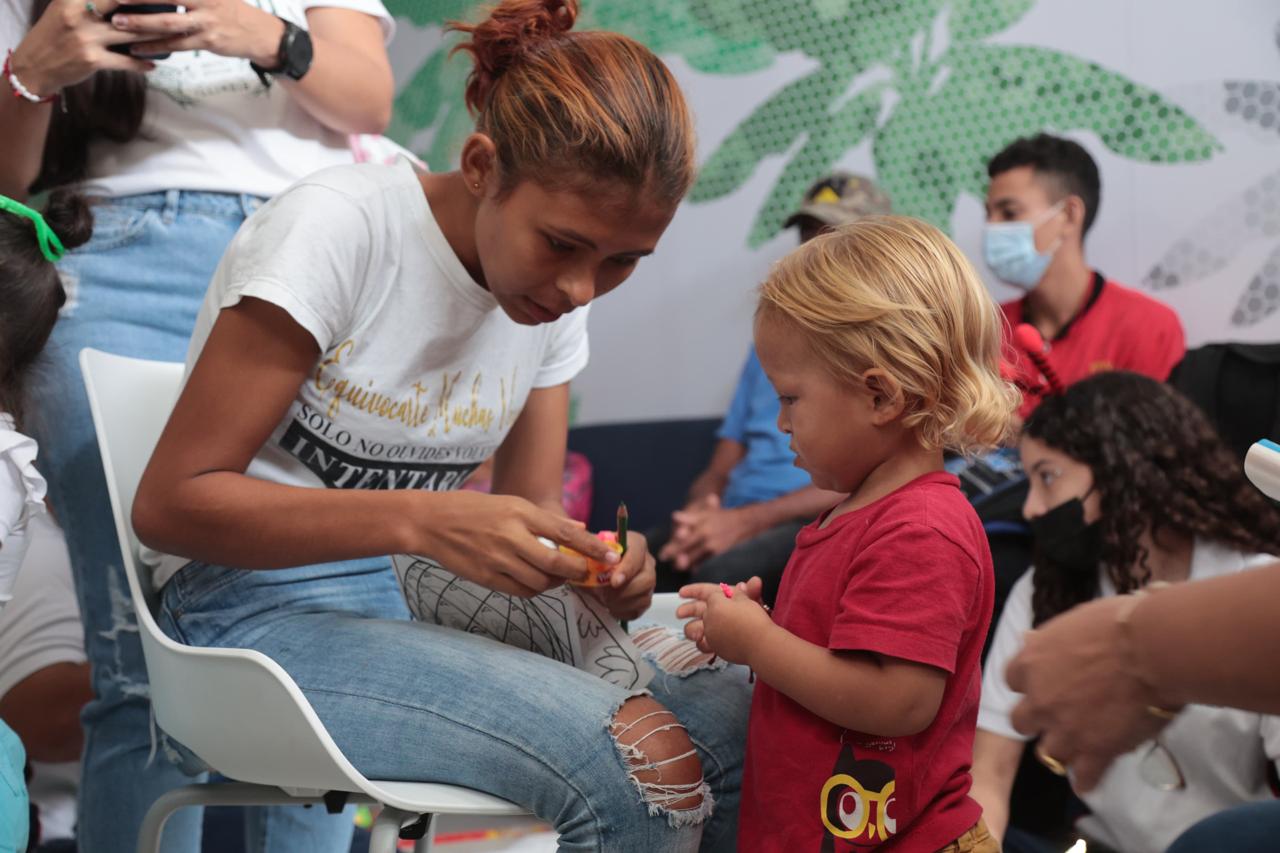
(908,576)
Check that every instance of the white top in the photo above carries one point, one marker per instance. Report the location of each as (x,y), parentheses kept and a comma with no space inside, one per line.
(21,498)
(421,374)
(1223,753)
(210,125)
(41,627)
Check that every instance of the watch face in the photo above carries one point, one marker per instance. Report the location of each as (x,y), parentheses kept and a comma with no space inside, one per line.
(297,52)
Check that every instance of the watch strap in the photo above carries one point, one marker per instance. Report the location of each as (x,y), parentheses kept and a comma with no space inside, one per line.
(284,65)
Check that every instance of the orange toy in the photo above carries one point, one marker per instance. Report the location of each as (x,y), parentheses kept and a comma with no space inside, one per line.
(598,572)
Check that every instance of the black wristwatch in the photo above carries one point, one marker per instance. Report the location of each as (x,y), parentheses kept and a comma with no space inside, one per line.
(293,57)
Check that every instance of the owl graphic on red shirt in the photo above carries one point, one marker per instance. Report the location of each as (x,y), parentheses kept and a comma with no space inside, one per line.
(857,804)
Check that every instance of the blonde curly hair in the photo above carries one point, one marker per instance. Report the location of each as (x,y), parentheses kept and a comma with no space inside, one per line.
(895,293)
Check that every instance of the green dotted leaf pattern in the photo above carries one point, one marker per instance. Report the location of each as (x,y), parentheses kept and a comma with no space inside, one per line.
(951,114)
(427,101)
(936,146)
(771,129)
(852,32)
(426,12)
(681,27)
(973,20)
(912,166)
(831,137)
(431,101)
(431,105)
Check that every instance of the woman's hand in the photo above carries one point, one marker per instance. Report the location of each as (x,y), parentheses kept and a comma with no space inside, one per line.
(68,43)
(728,627)
(493,541)
(225,27)
(630,589)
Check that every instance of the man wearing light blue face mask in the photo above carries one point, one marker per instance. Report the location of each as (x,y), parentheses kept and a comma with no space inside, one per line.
(1041,201)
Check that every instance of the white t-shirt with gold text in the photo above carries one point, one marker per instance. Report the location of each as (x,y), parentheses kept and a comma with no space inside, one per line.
(421,374)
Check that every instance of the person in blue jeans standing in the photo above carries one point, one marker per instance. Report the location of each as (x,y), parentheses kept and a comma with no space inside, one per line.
(178,151)
(743,512)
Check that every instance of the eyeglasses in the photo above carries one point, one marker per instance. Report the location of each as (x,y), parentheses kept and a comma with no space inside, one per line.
(1159,769)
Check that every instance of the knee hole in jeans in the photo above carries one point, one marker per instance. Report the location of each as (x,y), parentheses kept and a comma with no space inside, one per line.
(662,760)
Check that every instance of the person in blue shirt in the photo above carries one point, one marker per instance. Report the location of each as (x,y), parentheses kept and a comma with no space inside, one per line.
(743,511)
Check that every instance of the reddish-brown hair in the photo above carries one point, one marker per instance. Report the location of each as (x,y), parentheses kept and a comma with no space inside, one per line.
(561,105)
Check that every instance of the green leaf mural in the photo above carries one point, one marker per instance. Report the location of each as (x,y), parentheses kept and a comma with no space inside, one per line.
(936,146)
(431,102)
(952,113)
(828,140)
(972,20)
(707,41)
(764,132)
(951,108)
(703,32)
(425,12)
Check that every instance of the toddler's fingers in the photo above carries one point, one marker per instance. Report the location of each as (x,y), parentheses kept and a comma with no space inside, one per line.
(692,610)
(699,591)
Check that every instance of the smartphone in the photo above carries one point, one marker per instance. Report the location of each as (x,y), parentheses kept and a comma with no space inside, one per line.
(140,9)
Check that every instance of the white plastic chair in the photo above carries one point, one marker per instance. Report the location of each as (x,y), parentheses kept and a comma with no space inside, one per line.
(663,612)
(236,709)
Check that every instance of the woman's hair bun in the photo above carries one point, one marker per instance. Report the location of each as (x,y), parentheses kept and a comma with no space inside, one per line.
(513,28)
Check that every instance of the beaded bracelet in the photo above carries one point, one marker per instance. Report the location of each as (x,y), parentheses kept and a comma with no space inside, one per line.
(19,90)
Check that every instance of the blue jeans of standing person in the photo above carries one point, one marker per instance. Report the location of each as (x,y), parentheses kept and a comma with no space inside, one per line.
(134,289)
(412,701)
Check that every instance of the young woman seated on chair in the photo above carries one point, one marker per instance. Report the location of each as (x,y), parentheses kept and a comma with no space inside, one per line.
(370,337)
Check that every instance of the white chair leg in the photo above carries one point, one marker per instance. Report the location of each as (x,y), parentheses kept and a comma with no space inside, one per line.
(158,815)
(218,794)
(232,793)
(386,830)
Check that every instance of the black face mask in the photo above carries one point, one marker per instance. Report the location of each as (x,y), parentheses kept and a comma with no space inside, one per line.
(1063,538)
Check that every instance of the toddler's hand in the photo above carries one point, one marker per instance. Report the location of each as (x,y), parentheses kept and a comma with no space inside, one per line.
(728,627)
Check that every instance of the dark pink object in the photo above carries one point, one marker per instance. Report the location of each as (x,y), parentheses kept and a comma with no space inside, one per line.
(1030,341)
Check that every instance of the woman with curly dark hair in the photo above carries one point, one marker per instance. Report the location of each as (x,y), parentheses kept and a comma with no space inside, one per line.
(1129,487)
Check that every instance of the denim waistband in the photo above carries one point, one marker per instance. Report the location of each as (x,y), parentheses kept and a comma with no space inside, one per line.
(173,202)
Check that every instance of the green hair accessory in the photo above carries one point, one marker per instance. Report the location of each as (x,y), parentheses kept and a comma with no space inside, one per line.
(50,245)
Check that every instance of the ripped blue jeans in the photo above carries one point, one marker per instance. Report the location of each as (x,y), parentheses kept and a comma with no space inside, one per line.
(406,700)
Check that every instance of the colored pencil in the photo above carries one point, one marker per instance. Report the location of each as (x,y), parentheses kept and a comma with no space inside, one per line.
(623,519)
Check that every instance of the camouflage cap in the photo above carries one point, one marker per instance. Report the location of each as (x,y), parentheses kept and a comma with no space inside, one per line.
(839,198)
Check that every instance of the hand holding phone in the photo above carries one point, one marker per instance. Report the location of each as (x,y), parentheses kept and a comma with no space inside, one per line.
(141,9)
